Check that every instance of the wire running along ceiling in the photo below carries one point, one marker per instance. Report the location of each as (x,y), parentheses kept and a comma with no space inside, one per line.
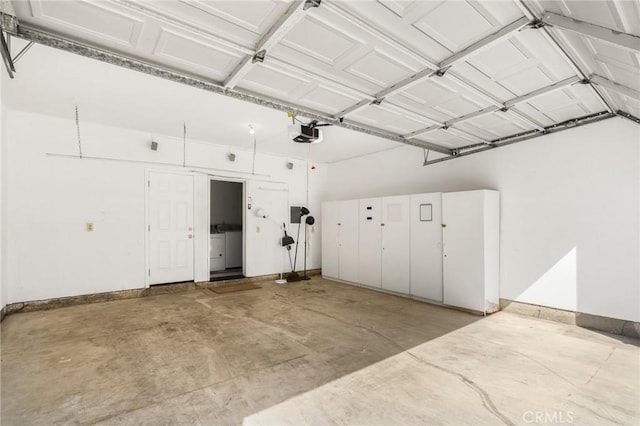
(453,76)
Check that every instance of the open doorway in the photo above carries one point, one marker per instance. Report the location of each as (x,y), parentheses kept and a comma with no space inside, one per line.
(226,230)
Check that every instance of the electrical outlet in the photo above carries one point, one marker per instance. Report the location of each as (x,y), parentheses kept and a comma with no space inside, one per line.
(89,227)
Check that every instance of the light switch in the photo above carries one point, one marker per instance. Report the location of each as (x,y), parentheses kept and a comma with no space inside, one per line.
(257,229)
(89,227)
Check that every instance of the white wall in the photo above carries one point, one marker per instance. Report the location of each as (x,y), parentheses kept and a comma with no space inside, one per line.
(49,199)
(570,210)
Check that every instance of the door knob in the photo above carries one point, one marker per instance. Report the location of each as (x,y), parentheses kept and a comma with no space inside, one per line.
(190,236)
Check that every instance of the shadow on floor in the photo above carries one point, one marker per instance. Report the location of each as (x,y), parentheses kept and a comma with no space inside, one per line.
(201,357)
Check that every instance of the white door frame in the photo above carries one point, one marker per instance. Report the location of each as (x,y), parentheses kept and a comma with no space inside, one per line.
(244,216)
(147,219)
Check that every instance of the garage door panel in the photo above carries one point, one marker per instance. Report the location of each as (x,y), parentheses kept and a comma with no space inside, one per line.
(379,68)
(625,103)
(493,126)
(326,99)
(479,78)
(456,25)
(330,45)
(379,116)
(439,97)
(568,103)
(206,58)
(275,83)
(535,114)
(444,138)
(254,16)
(524,63)
(318,40)
(91,19)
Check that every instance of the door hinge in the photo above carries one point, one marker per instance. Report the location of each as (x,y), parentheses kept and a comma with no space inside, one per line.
(149,183)
(149,272)
(149,228)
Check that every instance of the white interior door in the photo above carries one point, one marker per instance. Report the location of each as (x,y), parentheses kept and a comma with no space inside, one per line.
(426,246)
(463,253)
(170,227)
(370,240)
(395,244)
(267,208)
(330,239)
(349,240)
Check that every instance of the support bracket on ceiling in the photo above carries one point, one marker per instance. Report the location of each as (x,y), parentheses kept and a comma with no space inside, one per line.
(6,56)
(22,52)
(616,87)
(519,137)
(628,116)
(8,19)
(377,101)
(587,29)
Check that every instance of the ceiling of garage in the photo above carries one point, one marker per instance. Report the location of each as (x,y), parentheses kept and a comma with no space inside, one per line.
(452,76)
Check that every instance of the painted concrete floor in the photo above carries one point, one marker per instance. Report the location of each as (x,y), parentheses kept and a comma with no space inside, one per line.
(308,353)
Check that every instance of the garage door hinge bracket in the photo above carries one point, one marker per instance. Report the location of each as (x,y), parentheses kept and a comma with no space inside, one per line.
(441,72)
(311,3)
(8,23)
(536,24)
(259,56)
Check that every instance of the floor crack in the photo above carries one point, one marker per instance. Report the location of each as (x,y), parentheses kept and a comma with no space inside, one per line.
(484,396)
(544,366)
(377,333)
(613,349)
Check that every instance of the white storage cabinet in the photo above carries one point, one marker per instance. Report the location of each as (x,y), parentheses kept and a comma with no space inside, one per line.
(370,242)
(426,246)
(340,240)
(470,234)
(395,244)
(439,247)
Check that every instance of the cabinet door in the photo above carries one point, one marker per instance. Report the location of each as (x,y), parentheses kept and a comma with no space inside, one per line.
(349,240)
(426,246)
(395,244)
(217,252)
(330,239)
(463,252)
(370,248)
